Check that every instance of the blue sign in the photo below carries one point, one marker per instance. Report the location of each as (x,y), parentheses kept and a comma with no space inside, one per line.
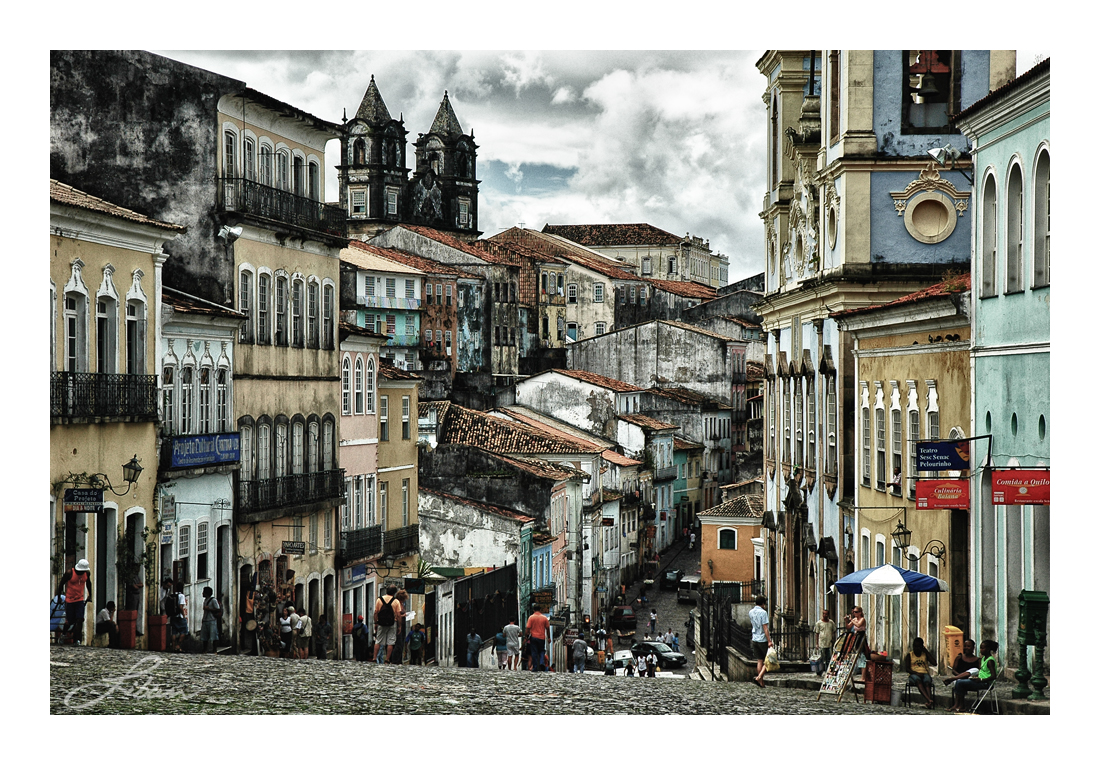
(943,455)
(215,449)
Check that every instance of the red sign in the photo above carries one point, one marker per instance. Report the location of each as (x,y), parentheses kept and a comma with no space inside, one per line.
(945,493)
(1021,487)
(347,623)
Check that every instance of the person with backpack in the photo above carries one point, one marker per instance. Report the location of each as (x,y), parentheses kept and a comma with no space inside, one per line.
(175,608)
(416,640)
(72,586)
(305,634)
(211,617)
(387,613)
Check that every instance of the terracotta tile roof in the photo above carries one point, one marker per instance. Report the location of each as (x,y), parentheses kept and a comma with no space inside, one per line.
(442,238)
(687,396)
(613,234)
(620,459)
(372,258)
(355,329)
(644,421)
(754,370)
(423,408)
(566,250)
(427,265)
(682,444)
(390,372)
(604,382)
(951,286)
(184,303)
(495,434)
(1043,67)
(547,427)
(743,506)
(65,194)
(520,249)
(555,471)
(685,289)
(494,509)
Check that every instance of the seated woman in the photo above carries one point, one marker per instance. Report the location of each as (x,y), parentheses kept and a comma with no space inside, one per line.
(987,672)
(856,623)
(964,663)
(916,664)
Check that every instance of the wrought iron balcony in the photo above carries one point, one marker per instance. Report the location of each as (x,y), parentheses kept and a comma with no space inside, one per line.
(289,490)
(245,196)
(398,542)
(76,395)
(362,543)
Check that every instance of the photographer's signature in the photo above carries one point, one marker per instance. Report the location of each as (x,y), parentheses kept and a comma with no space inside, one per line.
(135,684)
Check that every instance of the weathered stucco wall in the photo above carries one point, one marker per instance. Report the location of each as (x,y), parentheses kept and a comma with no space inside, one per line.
(578,403)
(453,533)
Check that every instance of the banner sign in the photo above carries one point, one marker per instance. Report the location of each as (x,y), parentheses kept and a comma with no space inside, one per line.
(215,449)
(166,533)
(168,507)
(83,501)
(544,597)
(1021,487)
(946,493)
(294,548)
(943,455)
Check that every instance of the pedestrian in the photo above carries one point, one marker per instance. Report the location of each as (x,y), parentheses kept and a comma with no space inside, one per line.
(514,634)
(211,613)
(668,638)
(105,625)
(580,654)
(630,665)
(473,649)
(57,617)
(691,542)
(387,613)
(322,633)
(416,640)
(286,632)
(825,629)
(500,645)
(653,622)
(536,637)
(178,604)
(651,665)
(305,634)
(399,643)
(72,586)
(359,639)
(676,642)
(761,638)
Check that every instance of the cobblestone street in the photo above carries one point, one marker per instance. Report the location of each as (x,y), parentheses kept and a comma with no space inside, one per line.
(86,680)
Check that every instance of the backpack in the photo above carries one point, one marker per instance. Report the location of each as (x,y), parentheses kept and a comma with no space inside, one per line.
(416,640)
(171,605)
(217,612)
(385,614)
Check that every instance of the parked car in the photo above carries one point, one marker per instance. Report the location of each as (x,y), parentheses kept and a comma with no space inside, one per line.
(623,618)
(666,657)
(671,578)
(687,588)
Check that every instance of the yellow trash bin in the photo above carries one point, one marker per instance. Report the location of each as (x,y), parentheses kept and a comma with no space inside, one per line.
(952,645)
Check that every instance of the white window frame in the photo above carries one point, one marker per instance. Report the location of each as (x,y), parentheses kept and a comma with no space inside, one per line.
(1014,229)
(597,292)
(370,385)
(1040,224)
(359,387)
(989,284)
(345,385)
(723,530)
(880,438)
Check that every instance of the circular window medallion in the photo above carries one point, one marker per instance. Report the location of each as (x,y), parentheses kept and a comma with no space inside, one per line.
(929,218)
(832,227)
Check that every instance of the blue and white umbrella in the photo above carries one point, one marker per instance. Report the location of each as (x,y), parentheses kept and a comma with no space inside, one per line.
(888,580)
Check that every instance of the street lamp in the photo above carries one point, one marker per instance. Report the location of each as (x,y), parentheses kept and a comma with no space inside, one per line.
(130,472)
(943,153)
(934,547)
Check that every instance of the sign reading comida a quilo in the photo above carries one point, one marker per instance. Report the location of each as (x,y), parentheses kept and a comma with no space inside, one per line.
(83,501)
(211,449)
(943,493)
(943,455)
(1021,487)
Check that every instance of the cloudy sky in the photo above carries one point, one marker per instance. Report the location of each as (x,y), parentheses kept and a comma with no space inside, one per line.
(670,138)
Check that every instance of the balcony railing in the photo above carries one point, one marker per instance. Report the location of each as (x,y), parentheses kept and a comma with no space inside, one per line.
(664,473)
(289,490)
(86,394)
(400,541)
(245,196)
(396,303)
(362,543)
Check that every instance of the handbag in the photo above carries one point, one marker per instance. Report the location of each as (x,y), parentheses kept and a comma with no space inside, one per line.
(771,660)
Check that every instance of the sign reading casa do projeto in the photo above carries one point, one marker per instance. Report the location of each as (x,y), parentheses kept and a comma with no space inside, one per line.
(943,455)
(1021,487)
(945,493)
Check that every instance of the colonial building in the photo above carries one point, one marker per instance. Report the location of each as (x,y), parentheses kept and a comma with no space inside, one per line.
(651,252)
(855,214)
(105,292)
(375,189)
(912,382)
(387,300)
(1010,133)
(729,541)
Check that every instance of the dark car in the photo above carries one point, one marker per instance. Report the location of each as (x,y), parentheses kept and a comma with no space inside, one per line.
(671,578)
(622,618)
(666,657)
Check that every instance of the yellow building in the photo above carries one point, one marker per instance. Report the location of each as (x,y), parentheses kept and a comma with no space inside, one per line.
(105,272)
(912,359)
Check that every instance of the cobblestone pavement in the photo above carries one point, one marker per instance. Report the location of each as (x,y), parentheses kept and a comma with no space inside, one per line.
(85,680)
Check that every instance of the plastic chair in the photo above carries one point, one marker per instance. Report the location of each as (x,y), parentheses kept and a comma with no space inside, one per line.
(984,694)
(911,687)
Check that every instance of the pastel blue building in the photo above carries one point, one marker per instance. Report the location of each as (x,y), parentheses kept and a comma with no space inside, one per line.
(1010,544)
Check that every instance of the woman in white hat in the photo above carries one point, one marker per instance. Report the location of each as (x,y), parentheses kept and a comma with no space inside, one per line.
(73,585)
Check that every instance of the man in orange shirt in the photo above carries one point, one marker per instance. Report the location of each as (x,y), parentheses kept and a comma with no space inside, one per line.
(536,637)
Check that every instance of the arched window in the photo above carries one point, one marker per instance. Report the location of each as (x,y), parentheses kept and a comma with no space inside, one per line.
(989,238)
(267,165)
(299,177)
(727,539)
(246,453)
(168,398)
(359,152)
(135,337)
(281,445)
(296,298)
(244,304)
(221,400)
(345,385)
(1014,232)
(1041,225)
(282,170)
(297,452)
(328,444)
(370,385)
(229,157)
(811,421)
(106,335)
(314,179)
(328,317)
(312,308)
(313,447)
(359,385)
(263,451)
(204,399)
(281,336)
(830,425)
(187,400)
(263,310)
(249,159)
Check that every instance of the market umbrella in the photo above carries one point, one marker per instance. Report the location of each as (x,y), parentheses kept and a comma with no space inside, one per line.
(887,580)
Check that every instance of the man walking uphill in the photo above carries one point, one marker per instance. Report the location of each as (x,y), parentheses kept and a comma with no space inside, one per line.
(536,637)
(761,638)
(513,634)
(72,587)
(387,613)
